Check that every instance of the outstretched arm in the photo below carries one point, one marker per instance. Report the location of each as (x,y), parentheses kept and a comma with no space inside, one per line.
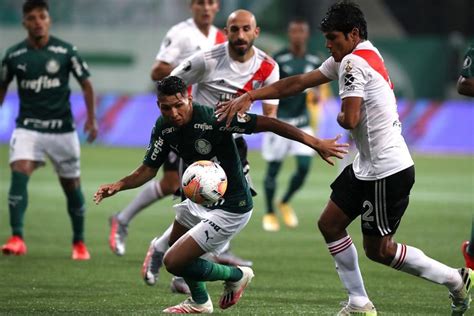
(326,148)
(90,127)
(137,178)
(280,89)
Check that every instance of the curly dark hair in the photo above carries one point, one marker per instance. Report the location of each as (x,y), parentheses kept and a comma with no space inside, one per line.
(171,85)
(30,5)
(343,17)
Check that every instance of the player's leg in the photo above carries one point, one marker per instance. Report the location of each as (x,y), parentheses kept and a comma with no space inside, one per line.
(25,156)
(467,249)
(151,192)
(332,224)
(270,219)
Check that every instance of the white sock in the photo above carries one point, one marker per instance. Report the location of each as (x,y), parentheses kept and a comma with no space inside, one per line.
(162,244)
(150,193)
(413,261)
(347,265)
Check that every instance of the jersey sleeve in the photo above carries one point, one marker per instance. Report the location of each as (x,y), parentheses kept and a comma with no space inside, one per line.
(158,148)
(273,77)
(6,73)
(329,68)
(79,67)
(171,48)
(468,67)
(242,124)
(192,70)
(352,77)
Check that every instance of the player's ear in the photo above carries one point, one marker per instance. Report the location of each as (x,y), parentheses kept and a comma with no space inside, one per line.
(190,98)
(257,31)
(226,32)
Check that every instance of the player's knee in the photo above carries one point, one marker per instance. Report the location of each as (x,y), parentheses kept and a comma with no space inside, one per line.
(381,254)
(171,263)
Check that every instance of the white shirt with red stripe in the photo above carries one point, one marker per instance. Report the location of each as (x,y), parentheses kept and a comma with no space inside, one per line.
(215,76)
(184,39)
(382,148)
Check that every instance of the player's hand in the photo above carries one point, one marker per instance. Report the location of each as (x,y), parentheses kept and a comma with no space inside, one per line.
(227,110)
(105,191)
(328,148)
(91,128)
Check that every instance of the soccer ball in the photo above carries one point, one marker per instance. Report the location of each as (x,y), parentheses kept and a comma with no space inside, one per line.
(204,182)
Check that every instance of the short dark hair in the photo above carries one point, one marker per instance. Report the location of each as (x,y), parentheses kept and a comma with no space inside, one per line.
(298,20)
(171,85)
(30,5)
(344,16)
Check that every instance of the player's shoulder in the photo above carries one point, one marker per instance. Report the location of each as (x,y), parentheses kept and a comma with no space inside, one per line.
(262,56)
(283,55)
(203,112)
(60,46)
(216,52)
(313,59)
(181,29)
(16,50)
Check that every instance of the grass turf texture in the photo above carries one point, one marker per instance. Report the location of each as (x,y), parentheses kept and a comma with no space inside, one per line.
(294,272)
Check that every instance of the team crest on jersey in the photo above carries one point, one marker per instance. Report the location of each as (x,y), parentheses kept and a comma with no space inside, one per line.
(467,62)
(256,84)
(348,67)
(203,146)
(187,66)
(52,66)
(243,118)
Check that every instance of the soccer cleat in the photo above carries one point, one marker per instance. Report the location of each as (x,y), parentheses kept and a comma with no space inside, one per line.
(270,223)
(178,285)
(152,264)
(289,216)
(117,235)
(233,290)
(189,306)
(467,257)
(230,259)
(367,310)
(79,251)
(14,246)
(462,298)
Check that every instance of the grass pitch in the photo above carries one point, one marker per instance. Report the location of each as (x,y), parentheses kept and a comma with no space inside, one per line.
(295,274)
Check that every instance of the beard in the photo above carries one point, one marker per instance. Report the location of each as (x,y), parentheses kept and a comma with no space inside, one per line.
(241,51)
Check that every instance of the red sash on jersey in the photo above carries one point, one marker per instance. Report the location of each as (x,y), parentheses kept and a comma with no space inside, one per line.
(220,37)
(374,61)
(262,73)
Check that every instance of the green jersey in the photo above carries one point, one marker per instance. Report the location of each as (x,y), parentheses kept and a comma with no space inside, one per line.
(42,77)
(203,138)
(468,66)
(293,109)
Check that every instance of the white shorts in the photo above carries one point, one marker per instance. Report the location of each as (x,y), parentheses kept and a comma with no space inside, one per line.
(63,150)
(211,229)
(276,148)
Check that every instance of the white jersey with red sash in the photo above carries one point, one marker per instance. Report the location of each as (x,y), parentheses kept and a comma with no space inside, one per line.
(184,39)
(217,77)
(382,148)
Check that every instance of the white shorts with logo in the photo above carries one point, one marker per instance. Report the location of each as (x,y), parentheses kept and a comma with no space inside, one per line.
(211,229)
(62,149)
(276,148)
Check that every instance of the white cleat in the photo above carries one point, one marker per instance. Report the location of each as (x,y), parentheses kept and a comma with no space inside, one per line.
(152,264)
(118,234)
(190,307)
(462,298)
(233,290)
(366,310)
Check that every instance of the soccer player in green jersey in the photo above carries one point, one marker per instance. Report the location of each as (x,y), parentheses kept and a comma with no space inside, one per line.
(465,86)
(192,131)
(293,110)
(44,127)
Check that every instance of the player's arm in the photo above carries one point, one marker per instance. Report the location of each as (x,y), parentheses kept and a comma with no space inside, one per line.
(326,148)
(3,93)
(280,89)
(91,126)
(349,116)
(465,86)
(5,78)
(160,69)
(137,178)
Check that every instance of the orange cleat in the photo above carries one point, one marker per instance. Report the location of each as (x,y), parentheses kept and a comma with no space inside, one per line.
(467,257)
(14,246)
(79,251)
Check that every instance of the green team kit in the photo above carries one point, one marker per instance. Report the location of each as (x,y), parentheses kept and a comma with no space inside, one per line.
(43,83)
(203,138)
(293,109)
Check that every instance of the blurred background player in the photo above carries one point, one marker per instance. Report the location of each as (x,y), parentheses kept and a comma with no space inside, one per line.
(222,73)
(292,60)
(465,86)
(42,64)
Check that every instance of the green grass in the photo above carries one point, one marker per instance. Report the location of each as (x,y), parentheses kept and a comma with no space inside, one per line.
(295,274)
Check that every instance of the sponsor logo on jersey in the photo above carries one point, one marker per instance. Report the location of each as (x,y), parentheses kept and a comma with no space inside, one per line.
(43,124)
(467,62)
(203,126)
(203,146)
(42,83)
(187,66)
(168,130)
(212,224)
(77,66)
(58,49)
(232,129)
(157,148)
(22,67)
(348,79)
(17,53)
(52,66)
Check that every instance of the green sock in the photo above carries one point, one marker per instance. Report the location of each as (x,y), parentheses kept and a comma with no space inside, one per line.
(203,270)
(270,184)
(198,290)
(76,210)
(297,180)
(18,201)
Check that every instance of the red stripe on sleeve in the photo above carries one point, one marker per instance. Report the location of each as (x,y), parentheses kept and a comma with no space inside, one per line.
(374,61)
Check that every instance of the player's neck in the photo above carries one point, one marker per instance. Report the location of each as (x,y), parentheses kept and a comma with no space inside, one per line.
(241,58)
(298,50)
(38,42)
(204,28)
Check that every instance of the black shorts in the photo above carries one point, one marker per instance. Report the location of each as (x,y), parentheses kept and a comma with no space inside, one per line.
(381,203)
(172,163)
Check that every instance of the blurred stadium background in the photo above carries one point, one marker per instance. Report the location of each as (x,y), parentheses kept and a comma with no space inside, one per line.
(423,43)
